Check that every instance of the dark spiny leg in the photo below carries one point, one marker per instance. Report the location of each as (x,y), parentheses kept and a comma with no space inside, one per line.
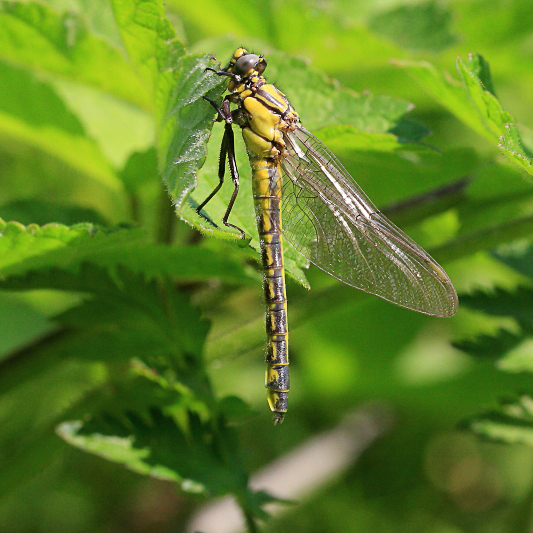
(227,148)
(221,172)
(231,75)
(224,112)
(234,176)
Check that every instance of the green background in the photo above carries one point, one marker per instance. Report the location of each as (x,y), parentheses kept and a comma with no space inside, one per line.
(102,122)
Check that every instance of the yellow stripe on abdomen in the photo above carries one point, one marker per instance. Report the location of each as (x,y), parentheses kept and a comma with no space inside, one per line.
(267,197)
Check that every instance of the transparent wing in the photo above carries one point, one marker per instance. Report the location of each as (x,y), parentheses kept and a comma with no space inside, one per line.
(329,219)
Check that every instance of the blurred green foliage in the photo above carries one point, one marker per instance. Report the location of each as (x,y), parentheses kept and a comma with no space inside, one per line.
(128,335)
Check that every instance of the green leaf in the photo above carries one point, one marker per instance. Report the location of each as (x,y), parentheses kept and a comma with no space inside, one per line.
(492,115)
(32,113)
(511,145)
(37,37)
(512,423)
(200,455)
(501,302)
(486,239)
(481,69)
(323,102)
(126,318)
(493,346)
(151,43)
(478,108)
(55,247)
(448,92)
(518,255)
(42,212)
(186,129)
(421,26)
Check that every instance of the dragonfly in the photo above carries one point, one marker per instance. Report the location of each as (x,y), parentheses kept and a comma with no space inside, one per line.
(327,217)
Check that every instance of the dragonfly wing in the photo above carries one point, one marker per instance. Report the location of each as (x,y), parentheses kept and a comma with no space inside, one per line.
(329,219)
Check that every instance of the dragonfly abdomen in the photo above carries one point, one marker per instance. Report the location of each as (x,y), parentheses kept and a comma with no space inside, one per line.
(267,197)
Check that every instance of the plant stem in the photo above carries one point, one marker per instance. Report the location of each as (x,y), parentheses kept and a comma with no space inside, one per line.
(167,219)
(250,521)
(135,207)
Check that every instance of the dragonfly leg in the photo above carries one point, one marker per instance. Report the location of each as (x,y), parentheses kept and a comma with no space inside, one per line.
(227,148)
(234,171)
(224,112)
(231,75)
(221,172)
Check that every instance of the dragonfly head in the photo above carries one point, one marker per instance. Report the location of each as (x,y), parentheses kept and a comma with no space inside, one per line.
(246,65)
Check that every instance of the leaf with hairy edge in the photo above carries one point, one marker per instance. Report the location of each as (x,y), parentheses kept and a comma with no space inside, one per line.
(186,129)
(199,454)
(177,83)
(511,145)
(476,74)
(24,249)
(491,113)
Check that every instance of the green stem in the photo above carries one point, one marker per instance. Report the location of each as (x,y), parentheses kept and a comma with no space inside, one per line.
(135,207)
(251,524)
(486,239)
(167,219)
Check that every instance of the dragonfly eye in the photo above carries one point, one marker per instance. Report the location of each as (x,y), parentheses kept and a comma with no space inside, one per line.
(261,66)
(245,63)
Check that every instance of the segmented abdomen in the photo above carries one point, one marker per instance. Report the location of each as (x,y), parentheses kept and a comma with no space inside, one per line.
(267,197)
